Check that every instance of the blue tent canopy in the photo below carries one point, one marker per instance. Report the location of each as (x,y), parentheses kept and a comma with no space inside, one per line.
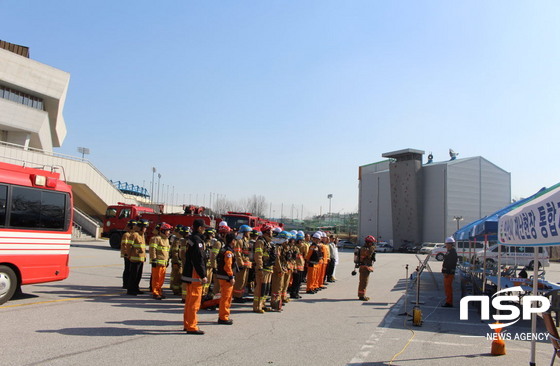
(488,226)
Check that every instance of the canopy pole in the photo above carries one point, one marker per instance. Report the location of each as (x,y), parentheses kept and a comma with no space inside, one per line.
(483,269)
(533,315)
(499,266)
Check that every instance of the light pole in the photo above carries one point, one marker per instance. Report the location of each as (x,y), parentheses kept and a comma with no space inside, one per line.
(153,173)
(329,196)
(83,151)
(458,218)
(158,186)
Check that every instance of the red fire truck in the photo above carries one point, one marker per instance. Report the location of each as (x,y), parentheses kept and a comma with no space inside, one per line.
(236,219)
(117,216)
(35,227)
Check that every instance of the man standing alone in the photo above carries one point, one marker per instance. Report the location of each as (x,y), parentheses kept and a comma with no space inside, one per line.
(448,270)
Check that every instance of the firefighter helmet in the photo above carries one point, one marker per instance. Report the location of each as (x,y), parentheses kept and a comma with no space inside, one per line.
(370,239)
(142,223)
(245,229)
(210,231)
(223,223)
(266,227)
(165,226)
(300,236)
(224,229)
(131,223)
(256,232)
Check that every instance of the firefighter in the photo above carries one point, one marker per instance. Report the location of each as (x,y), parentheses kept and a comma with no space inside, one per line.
(223,230)
(126,242)
(297,274)
(225,274)
(263,268)
(363,259)
(159,258)
(209,241)
(312,260)
(194,274)
(280,270)
(175,257)
(255,234)
(290,254)
(186,233)
(319,268)
(241,249)
(326,259)
(137,257)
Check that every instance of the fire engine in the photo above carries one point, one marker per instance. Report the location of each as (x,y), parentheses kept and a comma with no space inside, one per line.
(236,219)
(35,227)
(117,216)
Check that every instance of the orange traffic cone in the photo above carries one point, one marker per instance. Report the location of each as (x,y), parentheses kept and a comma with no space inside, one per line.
(498,344)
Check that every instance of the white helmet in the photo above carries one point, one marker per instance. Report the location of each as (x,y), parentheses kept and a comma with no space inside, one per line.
(449,240)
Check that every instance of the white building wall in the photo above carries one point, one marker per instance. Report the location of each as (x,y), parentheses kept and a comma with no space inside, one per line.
(463,193)
(47,128)
(496,184)
(434,203)
(375,202)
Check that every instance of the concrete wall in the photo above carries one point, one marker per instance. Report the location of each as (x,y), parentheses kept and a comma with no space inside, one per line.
(434,219)
(47,128)
(406,201)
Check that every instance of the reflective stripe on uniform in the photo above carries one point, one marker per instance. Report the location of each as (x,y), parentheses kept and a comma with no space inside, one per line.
(190,279)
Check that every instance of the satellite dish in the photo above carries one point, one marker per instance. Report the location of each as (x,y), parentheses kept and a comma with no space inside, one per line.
(453,154)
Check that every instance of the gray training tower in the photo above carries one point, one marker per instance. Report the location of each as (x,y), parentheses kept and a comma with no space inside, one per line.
(406,195)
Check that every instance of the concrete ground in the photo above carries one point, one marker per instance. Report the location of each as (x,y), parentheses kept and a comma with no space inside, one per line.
(87,320)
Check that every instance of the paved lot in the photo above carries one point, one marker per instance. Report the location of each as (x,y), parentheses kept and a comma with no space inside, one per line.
(87,320)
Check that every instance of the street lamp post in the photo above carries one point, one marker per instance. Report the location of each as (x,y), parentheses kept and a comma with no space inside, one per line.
(458,218)
(83,151)
(153,174)
(158,186)
(329,196)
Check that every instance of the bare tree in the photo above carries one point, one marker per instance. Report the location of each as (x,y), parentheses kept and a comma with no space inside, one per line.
(257,205)
(222,206)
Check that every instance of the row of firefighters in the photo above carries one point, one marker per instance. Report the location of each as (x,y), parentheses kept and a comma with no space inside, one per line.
(212,268)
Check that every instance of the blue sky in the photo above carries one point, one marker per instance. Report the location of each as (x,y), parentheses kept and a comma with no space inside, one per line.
(287,98)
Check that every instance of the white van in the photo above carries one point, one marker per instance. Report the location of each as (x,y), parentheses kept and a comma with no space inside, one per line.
(463,248)
(511,256)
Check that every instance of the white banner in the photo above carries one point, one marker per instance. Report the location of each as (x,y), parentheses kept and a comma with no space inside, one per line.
(535,222)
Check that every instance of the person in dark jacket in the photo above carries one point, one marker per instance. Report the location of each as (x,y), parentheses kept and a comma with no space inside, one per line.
(448,270)
(194,275)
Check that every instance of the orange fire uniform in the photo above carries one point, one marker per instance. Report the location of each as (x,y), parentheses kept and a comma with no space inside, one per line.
(225,276)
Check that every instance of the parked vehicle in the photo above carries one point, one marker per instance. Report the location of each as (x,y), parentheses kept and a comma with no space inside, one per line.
(346,244)
(464,249)
(428,247)
(35,227)
(384,247)
(512,255)
(409,247)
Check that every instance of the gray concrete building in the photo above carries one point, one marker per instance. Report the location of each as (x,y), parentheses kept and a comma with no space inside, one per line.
(402,199)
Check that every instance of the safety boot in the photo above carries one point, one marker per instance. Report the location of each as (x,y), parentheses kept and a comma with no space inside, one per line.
(364,298)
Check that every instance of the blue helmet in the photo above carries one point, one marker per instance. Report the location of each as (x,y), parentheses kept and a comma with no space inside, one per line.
(300,236)
(284,235)
(245,229)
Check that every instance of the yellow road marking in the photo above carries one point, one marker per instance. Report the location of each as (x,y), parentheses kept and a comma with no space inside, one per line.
(60,300)
(104,265)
